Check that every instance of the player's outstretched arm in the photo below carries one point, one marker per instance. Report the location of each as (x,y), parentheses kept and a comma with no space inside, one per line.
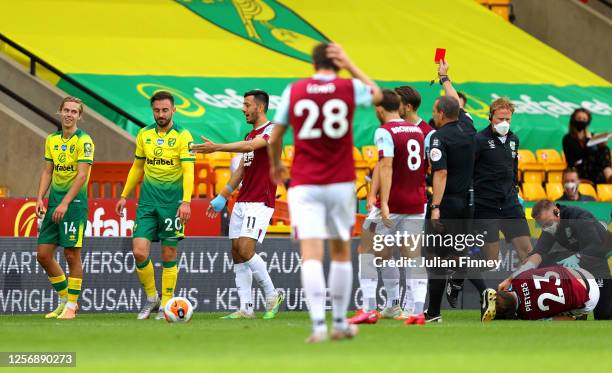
(133,179)
(43,187)
(77,185)
(218,203)
(277,170)
(233,147)
(341,59)
(448,86)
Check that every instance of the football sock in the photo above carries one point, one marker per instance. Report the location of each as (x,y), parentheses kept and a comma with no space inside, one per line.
(418,284)
(146,275)
(340,286)
(244,285)
(261,275)
(169,275)
(313,282)
(74,289)
(60,284)
(368,281)
(391,278)
(408,293)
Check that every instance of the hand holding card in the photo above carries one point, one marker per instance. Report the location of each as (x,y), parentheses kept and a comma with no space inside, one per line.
(440,54)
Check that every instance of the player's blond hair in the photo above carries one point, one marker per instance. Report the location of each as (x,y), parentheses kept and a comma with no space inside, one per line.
(72,99)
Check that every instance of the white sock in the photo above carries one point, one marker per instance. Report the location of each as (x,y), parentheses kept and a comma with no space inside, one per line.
(244,282)
(419,289)
(340,286)
(408,293)
(71,305)
(368,281)
(391,278)
(260,272)
(313,282)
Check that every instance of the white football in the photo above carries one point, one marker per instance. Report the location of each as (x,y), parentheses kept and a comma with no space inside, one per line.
(178,309)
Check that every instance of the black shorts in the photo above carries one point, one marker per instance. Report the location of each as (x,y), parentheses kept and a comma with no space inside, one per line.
(511,221)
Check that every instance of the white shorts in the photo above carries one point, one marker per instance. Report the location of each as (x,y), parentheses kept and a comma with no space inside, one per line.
(410,223)
(250,219)
(322,211)
(593,292)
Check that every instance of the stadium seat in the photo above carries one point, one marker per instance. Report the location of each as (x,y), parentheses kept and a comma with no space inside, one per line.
(533,177)
(359,161)
(281,192)
(4,192)
(527,161)
(550,159)
(219,159)
(554,176)
(222,175)
(533,192)
(200,157)
(587,190)
(288,153)
(554,191)
(370,155)
(604,192)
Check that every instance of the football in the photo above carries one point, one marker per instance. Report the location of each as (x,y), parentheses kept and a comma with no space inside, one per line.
(178,309)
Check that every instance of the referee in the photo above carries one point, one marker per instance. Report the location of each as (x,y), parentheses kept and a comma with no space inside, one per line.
(452,163)
(497,205)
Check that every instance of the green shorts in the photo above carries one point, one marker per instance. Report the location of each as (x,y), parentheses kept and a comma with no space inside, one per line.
(69,232)
(159,223)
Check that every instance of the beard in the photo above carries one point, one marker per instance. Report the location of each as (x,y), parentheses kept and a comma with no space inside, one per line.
(163,122)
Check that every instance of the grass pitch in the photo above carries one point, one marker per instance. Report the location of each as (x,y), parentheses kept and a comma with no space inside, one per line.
(120,343)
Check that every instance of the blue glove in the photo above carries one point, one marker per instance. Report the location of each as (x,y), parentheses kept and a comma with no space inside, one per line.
(218,203)
(570,262)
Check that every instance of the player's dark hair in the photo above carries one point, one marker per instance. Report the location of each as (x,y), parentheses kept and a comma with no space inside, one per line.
(162,95)
(462,96)
(449,106)
(320,59)
(505,306)
(260,97)
(390,101)
(409,95)
(541,206)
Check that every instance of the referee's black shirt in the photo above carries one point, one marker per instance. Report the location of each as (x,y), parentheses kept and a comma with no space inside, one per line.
(452,149)
(496,170)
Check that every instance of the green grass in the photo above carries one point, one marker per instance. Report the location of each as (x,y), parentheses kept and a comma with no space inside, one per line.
(119,343)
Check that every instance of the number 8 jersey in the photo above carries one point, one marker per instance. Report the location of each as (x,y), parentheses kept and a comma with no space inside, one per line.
(320,110)
(546,292)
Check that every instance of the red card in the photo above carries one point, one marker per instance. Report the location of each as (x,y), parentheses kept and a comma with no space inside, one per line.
(440,53)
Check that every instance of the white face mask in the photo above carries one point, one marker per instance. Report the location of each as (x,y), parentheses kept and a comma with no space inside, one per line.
(571,187)
(502,128)
(552,229)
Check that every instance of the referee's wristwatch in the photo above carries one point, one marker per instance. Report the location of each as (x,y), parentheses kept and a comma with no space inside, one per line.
(433,207)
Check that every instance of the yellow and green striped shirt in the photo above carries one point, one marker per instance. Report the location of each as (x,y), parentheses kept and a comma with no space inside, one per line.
(65,155)
(163,154)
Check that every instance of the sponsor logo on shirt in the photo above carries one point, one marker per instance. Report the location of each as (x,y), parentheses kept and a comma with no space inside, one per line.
(87,149)
(64,147)
(62,158)
(160,141)
(492,144)
(158,152)
(59,167)
(160,162)
(71,149)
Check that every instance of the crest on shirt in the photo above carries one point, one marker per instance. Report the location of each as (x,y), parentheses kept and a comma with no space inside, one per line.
(513,154)
(248,158)
(87,149)
(435,142)
(512,145)
(435,154)
(71,148)
(171,142)
(491,144)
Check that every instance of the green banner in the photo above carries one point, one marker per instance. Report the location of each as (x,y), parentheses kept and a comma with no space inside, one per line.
(212,106)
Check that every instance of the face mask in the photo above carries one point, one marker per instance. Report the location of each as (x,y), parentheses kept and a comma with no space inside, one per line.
(502,128)
(571,187)
(579,125)
(552,229)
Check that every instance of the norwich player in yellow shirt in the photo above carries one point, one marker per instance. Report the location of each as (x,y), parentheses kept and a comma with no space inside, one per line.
(163,156)
(69,155)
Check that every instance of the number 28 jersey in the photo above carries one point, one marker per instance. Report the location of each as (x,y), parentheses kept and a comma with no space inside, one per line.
(546,292)
(320,110)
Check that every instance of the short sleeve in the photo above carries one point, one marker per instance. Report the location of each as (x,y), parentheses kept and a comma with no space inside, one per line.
(267,133)
(437,152)
(384,143)
(48,155)
(282,109)
(140,154)
(427,142)
(186,155)
(363,93)
(85,152)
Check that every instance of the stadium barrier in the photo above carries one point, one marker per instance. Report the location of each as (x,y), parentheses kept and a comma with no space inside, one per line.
(206,276)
